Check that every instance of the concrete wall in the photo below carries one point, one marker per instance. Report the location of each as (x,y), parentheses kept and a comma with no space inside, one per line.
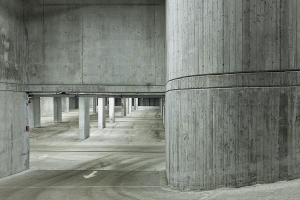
(14,140)
(232,101)
(95,46)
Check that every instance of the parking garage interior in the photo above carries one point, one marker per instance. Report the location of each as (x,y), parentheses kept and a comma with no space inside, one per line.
(149,99)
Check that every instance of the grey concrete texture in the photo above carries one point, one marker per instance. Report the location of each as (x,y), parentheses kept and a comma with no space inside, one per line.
(57,109)
(14,140)
(107,43)
(231,103)
(35,112)
(12,42)
(65,104)
(46,106)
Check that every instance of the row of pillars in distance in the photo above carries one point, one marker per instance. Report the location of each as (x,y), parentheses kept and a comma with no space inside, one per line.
(84,112)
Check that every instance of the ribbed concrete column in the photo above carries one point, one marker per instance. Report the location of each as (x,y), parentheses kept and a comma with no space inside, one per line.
(136,103)
(101,113)
(84,118)
(123,107)
(127,105)
(130,104)
(65,104)
(233,96)
(94,105)
(57,109)
(111,110)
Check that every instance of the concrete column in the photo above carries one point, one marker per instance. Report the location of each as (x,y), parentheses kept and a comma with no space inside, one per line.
(127,106)
(123,107)
(65,104)
(130,105)
(111,110)
(161,106)
(35,112)
(84,118)
(236,125)
(76,102)
(57,109)
(101,113)
(71,102)
(142,102)
(136,103)
(163,112)
(94,105)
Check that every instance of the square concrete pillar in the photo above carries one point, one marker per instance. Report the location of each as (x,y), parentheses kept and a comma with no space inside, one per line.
(111,110)
(65,104)
(130,105)
(163,112)
(95,105)
(84,118)
(161,105)
(76,102)
(35,112)
(142,102)
(71,102)
(101,113)
(57,109)
(123,107)
(127,106)
(136,103)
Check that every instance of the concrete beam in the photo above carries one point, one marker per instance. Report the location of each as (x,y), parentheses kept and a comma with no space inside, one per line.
(111,110)
(57,109)
(84,118)
(101,113)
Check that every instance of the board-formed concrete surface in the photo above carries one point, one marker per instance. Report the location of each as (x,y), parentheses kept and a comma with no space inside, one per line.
(124,161)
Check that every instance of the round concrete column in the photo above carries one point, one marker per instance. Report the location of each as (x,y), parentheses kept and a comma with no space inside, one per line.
(233,97)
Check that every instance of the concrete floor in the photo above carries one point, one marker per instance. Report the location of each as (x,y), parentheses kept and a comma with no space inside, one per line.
(124,161)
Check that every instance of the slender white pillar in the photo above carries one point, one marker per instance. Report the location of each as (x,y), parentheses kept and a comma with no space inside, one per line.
(136,103)
(111,110)
(84,118)
(123,107)
(94,105)
(101,113)
(130,105)
(57,109)
(127,106)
